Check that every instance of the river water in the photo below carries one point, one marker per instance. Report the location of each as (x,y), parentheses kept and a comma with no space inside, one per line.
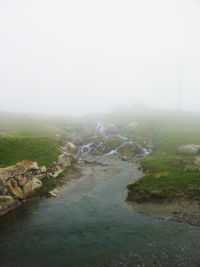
(90,224)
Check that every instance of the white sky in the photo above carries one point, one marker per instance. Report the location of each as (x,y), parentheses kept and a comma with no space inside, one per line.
(77,57)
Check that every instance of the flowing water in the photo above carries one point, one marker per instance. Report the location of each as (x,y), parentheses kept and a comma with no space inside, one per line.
(90,224)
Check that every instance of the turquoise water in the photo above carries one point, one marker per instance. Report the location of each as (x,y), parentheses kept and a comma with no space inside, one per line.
(90,224)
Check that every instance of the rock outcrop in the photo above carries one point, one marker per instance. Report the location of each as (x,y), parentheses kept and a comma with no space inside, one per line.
(65,160)
(18,182)
(189,149)
(8,203)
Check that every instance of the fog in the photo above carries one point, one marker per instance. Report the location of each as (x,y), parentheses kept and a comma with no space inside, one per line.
(79,57)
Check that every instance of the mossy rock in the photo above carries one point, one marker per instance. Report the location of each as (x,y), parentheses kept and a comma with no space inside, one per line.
(111,143)
(129,151)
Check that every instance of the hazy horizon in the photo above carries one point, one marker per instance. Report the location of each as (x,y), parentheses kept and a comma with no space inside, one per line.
(83,57)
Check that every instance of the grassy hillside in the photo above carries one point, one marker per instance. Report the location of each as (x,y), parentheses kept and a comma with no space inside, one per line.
(41,149)
(27,137)
(165,175)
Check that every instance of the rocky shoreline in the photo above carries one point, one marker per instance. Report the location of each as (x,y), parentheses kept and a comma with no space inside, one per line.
(20,181)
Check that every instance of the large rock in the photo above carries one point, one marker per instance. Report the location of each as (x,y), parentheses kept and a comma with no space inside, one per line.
(3,187)
(65,160)
(71,148)
(21,180)
(14,189)
(7,203)
(18,169)
(189,149)
(31,186)
(17,182)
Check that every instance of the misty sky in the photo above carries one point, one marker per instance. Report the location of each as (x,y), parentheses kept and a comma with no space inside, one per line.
(77,57)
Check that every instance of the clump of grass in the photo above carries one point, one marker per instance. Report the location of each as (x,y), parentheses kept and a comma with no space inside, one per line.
(49,183)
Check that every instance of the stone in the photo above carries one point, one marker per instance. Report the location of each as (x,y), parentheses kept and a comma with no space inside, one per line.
(57,172)
(21,180)
(71,148)
(14,189)
(18,169)
(3,187)
(55,191)
(189,149)
(43,169)
(27,189)
(52,194)
(36,184)
(31,186)
(8,203)
(64,160)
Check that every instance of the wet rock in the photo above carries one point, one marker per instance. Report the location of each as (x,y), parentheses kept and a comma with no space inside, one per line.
(8,203)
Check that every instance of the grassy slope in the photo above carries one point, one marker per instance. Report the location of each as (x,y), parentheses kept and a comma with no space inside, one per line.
(41,149)
(167,131)
(28,138)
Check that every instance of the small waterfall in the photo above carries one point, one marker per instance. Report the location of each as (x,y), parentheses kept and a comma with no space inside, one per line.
(146,152)
(101,129)
(91,147)
(85,149)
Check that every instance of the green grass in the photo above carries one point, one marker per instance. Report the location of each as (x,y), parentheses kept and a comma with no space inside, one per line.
(43,150)
(164,179)
(167,131)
